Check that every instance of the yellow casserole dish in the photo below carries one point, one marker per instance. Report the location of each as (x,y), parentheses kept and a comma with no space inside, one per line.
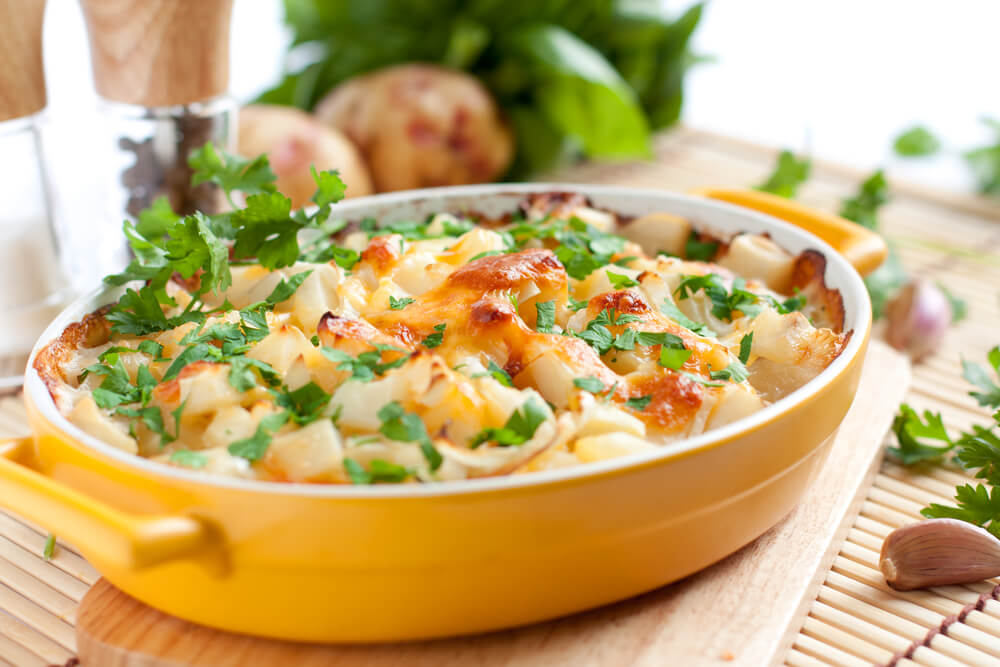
(336,563)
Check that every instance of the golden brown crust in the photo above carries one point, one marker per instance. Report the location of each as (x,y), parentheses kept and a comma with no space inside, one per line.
(808,275)
(512,271)
(93,330)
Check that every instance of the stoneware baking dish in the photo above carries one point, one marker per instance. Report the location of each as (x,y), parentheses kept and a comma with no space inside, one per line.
(334,563)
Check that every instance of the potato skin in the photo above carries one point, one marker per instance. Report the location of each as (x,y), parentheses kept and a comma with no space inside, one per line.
(421,125)
(294,140)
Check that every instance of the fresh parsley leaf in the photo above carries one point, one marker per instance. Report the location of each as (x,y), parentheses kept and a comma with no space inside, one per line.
(591,384)
(979,450)
(702,251)
(625,340)
(735,371)
(231,172)
(789,173)
(242,376)
(368,364)
(575,305)
(399,304)
(545,316)
(498,374)
(378,471)
(639,403)
(196,352)
(863,207)
(621,281)
(254,447)
(660,338)
(152,348)
(746,344)
(286,288)
(519,429)
(976,505)
(151,417)
(670,309)
(917,141)
(50,547)
(397,424)
(989,392)
(189,459)
(265,230)
(304,404)
(673,358)
(157,220)
(713,288)
(436,338)
(916,438)
(330,189)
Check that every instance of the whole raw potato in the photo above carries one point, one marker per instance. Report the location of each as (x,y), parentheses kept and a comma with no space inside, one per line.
(294,140)
(421,126)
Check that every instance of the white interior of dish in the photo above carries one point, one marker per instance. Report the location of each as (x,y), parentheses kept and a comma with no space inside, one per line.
(495,200)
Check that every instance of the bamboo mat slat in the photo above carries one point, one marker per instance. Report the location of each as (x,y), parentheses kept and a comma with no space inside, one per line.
(856,619)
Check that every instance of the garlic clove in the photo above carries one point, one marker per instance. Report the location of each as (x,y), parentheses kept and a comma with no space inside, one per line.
(937,552)
(918,317)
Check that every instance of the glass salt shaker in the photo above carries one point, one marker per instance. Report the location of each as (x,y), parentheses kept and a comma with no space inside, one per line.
(33,286)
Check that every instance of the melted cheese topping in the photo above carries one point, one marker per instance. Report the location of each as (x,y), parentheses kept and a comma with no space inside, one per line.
(483,307)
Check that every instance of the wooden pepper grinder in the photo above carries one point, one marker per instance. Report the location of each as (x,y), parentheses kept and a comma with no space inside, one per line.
(162,69)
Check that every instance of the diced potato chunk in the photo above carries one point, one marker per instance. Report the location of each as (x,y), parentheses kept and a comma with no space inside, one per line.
(88,417)
(609,446)
(311,453)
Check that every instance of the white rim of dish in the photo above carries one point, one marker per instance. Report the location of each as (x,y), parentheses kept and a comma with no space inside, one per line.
(857,308)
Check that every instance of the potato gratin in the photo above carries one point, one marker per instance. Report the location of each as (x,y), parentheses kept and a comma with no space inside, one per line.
(450,348)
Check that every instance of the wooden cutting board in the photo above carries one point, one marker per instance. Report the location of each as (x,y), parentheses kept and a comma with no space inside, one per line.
(744,610)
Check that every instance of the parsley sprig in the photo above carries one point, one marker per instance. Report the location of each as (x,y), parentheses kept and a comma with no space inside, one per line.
(924,438)
(197,247)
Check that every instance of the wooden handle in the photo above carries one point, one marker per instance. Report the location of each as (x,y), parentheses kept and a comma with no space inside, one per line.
(22,79)
(158,53)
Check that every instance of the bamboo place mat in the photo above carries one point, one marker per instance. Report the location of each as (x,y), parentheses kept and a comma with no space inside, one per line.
(855,619)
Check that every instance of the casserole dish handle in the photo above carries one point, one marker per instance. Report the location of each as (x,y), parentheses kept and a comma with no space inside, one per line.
(129,541)
(860,246)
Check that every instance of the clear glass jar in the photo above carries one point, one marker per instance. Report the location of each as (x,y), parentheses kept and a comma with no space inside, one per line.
(33,284)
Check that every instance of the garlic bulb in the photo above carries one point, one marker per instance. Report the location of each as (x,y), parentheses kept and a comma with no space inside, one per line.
(918,316)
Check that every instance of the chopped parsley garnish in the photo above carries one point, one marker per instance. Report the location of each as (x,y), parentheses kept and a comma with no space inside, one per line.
(497,373)
(639,403)
(254,447)
(436,338)
(305,404)
(621,281)
(403,426)
(189,459)
(597,334)
(725,303)
(378,471)
(702,251)
(746,343)
(700,380)
(545,320)
(735,371)
(670,309)
(673,358)
(580,247)
(366,365)
(519,429)
(50,547)
(591,384)
(399,304)
(198,246)
(575,305)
